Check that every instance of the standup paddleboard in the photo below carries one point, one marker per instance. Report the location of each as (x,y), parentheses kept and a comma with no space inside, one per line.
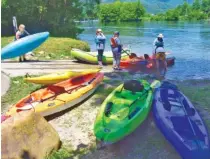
(24,45)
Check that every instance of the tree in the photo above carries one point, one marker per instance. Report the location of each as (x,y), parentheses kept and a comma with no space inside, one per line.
(206,6)
(121,11)
(196,5)
(140,10)
(56,16)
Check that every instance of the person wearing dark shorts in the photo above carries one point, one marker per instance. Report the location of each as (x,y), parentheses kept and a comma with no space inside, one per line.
(100,41)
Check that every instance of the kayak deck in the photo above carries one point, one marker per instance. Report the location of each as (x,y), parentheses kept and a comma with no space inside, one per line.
(180,123)
(122,112)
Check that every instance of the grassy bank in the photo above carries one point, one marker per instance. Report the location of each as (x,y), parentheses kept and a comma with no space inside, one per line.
(75,126)
(54,47)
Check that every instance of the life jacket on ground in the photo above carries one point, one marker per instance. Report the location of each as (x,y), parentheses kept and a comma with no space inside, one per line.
(113,42)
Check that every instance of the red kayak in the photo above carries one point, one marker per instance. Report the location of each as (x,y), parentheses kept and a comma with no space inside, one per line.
(142,64)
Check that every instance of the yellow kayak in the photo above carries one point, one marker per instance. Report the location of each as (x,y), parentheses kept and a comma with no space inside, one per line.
(58,77)
(60,96)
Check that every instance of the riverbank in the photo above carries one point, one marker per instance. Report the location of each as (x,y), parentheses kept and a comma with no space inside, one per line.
(55,48)
(75,125)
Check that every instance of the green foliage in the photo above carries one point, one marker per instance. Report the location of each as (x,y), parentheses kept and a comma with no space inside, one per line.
(199,10)
(196,5)
(121,11)
(61,48)
(90,9)
(56,16)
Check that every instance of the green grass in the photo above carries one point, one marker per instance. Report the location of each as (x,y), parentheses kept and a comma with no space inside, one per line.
(62,153)
(18,89)
(54,47)
(197,92)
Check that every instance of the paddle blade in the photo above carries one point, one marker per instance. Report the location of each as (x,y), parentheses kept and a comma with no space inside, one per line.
(155,84)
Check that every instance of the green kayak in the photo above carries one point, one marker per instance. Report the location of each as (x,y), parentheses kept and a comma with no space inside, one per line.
(91,57)
(123,111)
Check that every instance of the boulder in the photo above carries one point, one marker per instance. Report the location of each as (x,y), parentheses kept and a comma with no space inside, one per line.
(27,135)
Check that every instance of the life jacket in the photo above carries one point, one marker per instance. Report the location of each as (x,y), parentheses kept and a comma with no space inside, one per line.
(113,42)
(22,35)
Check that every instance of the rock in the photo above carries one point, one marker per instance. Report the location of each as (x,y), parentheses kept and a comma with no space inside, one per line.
(27,135)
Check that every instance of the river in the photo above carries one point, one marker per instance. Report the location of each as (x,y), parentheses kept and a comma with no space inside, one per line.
(189,42)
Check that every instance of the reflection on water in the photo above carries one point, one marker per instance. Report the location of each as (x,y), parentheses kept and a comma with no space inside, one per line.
(188,42)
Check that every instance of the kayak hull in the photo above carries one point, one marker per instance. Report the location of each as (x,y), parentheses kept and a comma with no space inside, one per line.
(24,45)
(58,97)
(188,134)
(144,65)
(91,57)
(57,77)
(112,129)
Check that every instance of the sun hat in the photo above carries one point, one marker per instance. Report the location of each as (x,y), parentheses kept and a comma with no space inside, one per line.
(98,30)
(160,36)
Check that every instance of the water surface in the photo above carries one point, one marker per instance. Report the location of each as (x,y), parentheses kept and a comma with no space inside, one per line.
(189,42)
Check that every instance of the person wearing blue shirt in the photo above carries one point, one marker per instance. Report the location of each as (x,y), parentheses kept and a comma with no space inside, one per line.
(21,33)
(100,41)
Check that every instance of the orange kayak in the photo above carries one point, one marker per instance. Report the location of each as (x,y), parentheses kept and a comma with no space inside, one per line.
(60,96)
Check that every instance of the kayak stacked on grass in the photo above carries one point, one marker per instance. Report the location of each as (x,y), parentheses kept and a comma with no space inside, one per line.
(180,123)
(123,111)
(91,57)
(23,45)
(60,96)
(58,77)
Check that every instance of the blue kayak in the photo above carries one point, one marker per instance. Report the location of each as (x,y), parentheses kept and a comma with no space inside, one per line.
(180,123)
(24,45)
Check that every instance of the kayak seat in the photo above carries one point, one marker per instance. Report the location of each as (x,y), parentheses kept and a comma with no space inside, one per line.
(77,80)
(133,86)
(108,109)
(56,89)
(133,113)
(164,99)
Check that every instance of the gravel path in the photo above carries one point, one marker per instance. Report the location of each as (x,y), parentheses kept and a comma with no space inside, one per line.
(5,83)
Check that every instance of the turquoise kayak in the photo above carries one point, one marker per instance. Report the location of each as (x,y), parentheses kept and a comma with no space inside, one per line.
(24,45)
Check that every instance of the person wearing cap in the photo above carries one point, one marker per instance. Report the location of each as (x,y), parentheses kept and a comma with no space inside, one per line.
(21,33)
(159,53)
(116,47)
(100,41)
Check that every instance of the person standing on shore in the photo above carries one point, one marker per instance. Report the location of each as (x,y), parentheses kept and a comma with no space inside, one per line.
(100,41)
(116,47)
(159,53)
(21,33)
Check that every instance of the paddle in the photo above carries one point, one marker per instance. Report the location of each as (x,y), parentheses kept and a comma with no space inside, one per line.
(132,55)
(14,22)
